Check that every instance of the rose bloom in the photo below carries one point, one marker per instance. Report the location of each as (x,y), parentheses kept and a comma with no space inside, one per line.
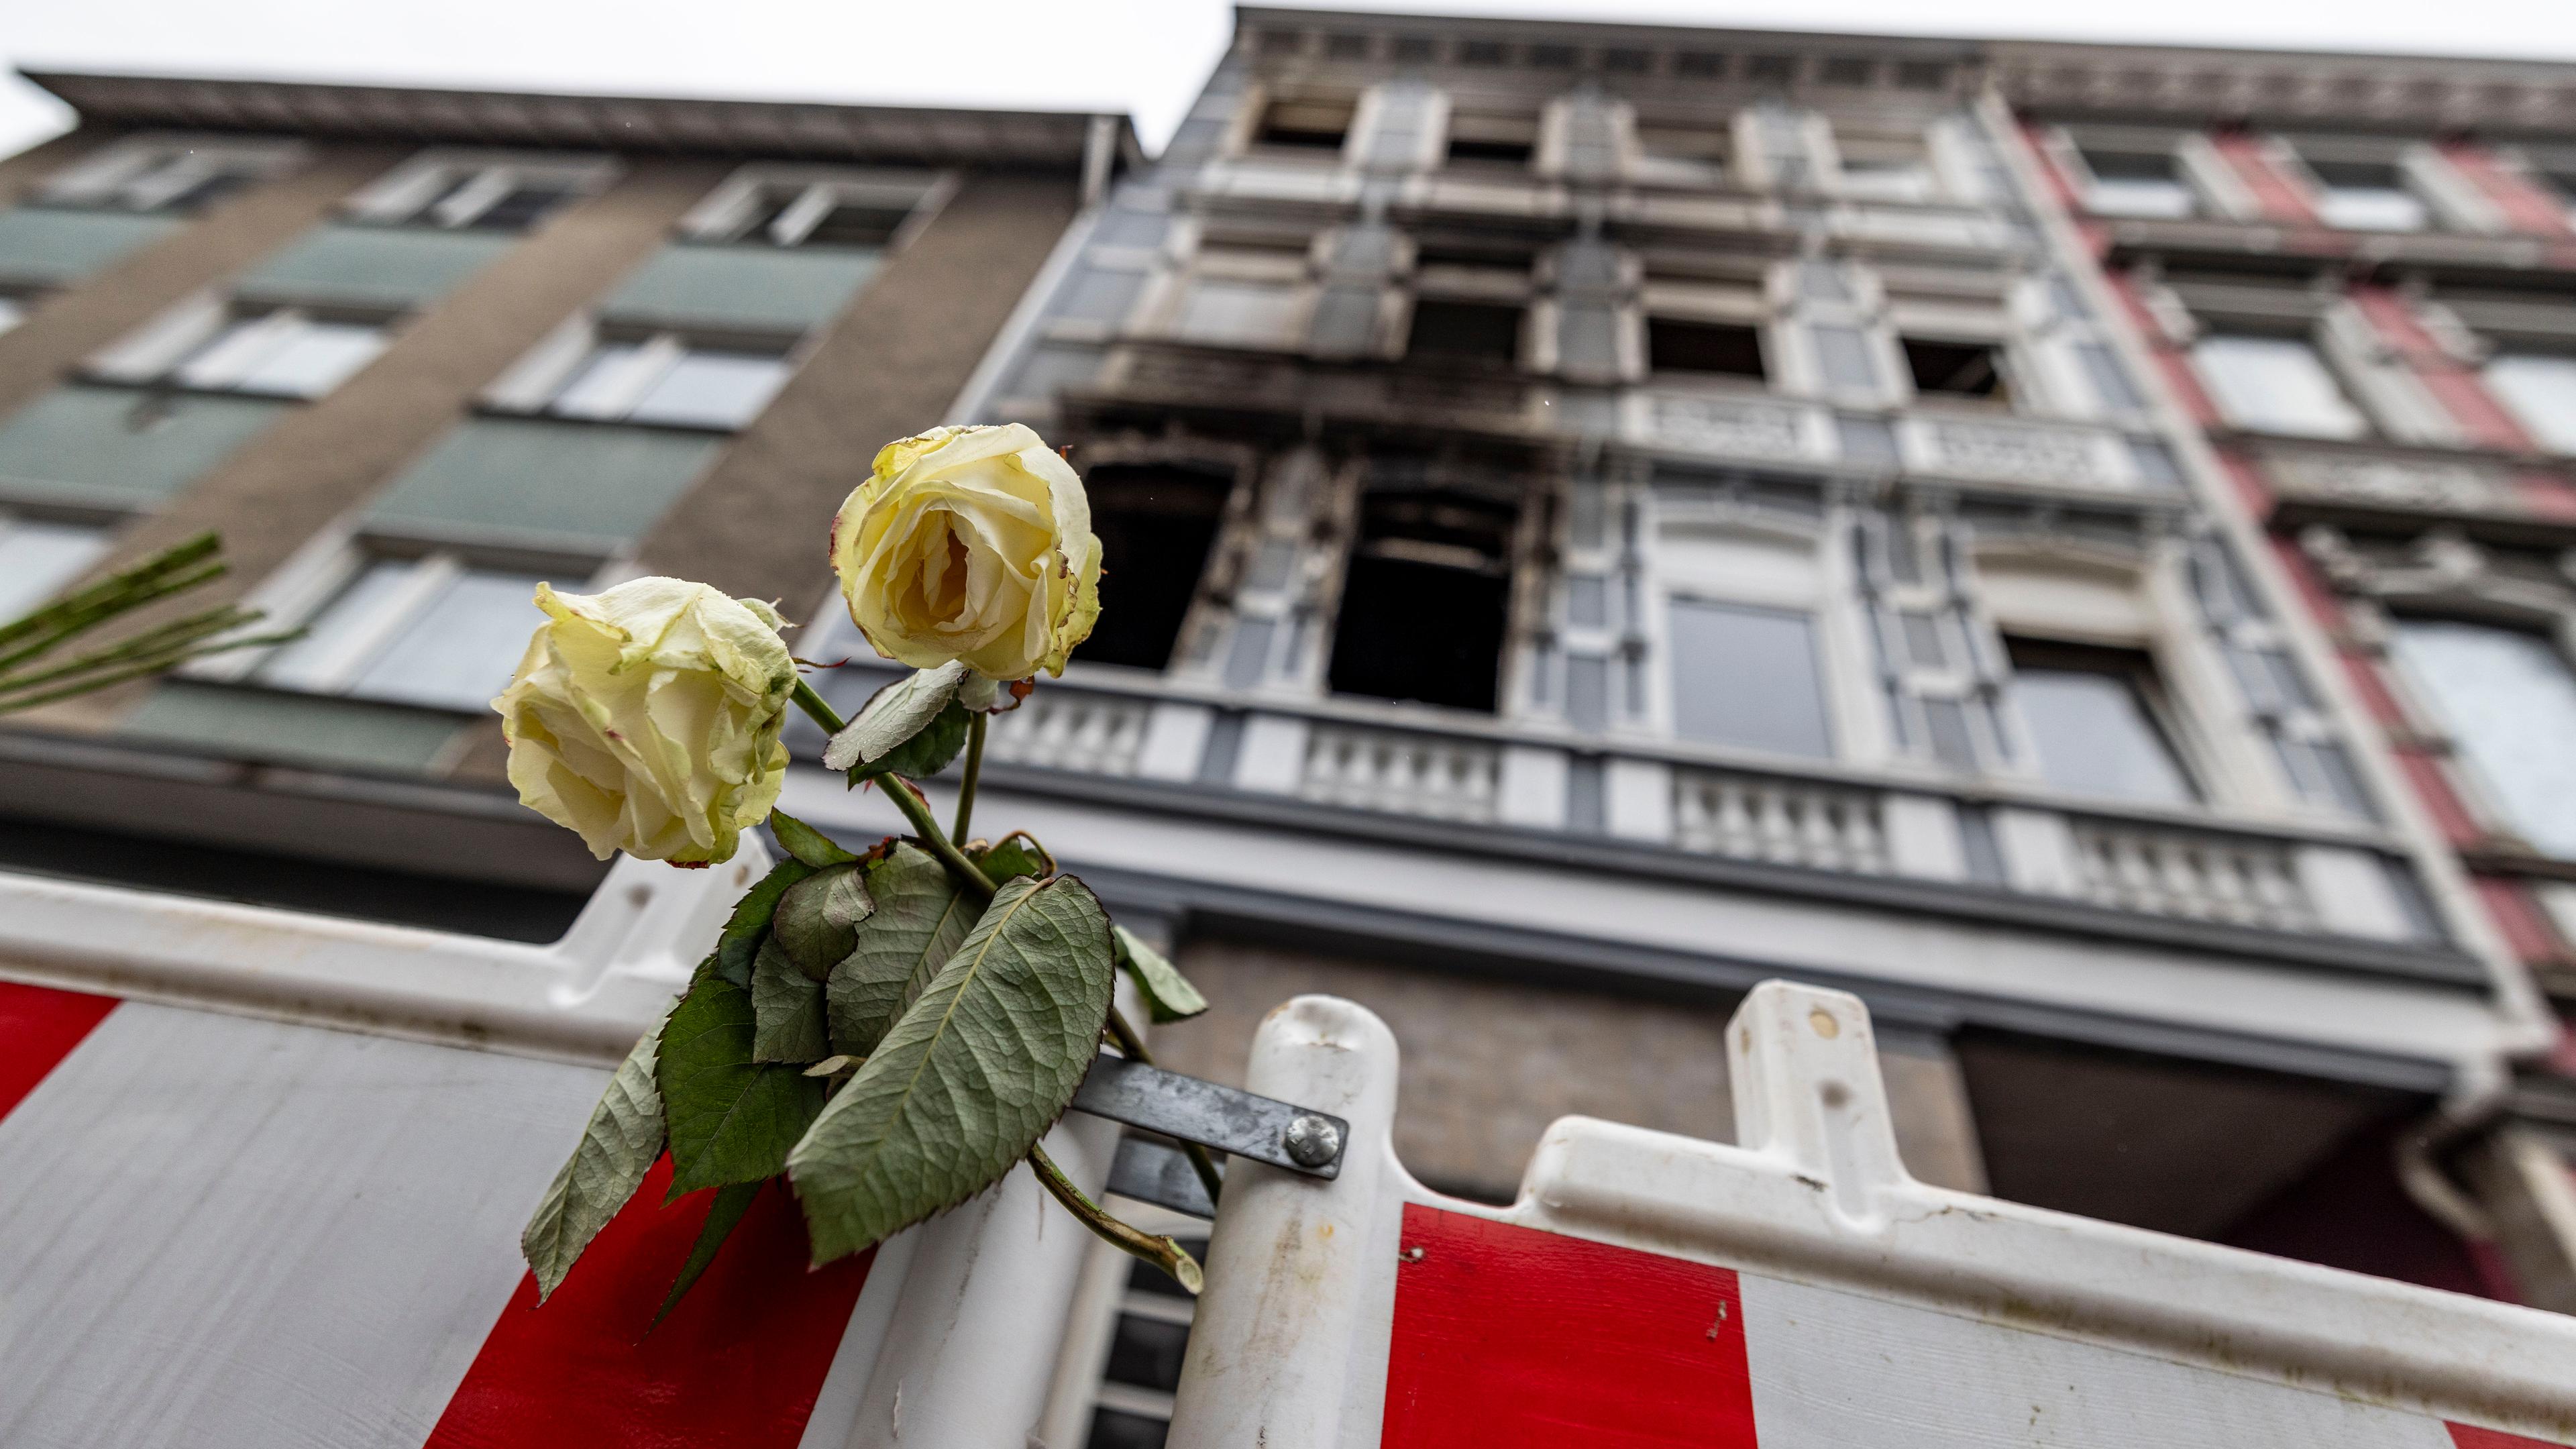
(646,718)
(970,544)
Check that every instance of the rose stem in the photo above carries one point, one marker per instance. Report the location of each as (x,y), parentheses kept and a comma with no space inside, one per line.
(974,772)
(906,799)
(818,707)
(981,884)
(1161,1252)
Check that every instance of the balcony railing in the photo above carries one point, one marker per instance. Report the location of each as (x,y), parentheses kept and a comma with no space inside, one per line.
(2304,879)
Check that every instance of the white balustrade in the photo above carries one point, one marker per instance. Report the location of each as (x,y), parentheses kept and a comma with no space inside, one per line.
(1063,729)
(2203,877)
(1402,774)
(1749,817)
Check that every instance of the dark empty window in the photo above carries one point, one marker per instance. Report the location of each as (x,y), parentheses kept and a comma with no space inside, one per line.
(1305,125)
(1465,331)
(2094,717)
(1675,345)
(523,206)
(1424,600)
(850,224)
(1506,142)
(1746,676)
(2134,183)
(1155,525)
(1956,369)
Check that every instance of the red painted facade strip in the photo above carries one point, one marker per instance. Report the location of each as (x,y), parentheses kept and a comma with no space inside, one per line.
(2526,208)
(2442,802)
(2462,393)
(39,1026)
(2519,919)
(2546,495)
(2470,1436)
(736,1366)
(1506,1335)
(2280,199)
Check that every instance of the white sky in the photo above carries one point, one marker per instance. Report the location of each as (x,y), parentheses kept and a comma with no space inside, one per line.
(1142,56)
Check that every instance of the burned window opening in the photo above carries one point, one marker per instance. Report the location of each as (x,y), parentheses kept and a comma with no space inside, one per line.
(1156,524)
(1488,333)
(1426,600)
(1305,125)
(1675,345)
(1956,369)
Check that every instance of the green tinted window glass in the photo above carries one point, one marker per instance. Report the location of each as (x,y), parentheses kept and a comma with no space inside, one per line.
(118,447)
(741,286)
(49,244)
(577,485)
(374,266)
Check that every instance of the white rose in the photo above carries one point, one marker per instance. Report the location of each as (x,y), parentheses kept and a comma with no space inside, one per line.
(646,718)
(970,544)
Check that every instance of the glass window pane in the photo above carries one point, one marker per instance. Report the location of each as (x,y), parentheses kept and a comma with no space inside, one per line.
(2541,390)
(2509,702)
(601,385)
(313,358)
(712,389)
(2096,735)
(221,360)
(1247,313)
(37,559)
(337,628)
(2275,385)
(1746,676)
(2140,196)
(12,312)
(459,649)
(2372,208)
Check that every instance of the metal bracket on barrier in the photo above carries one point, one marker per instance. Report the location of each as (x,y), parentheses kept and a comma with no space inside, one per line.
(1226,1119)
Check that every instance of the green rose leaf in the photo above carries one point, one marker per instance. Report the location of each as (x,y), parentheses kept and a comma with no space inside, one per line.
(919,919)
(749,922)
(1011,859)
(973,1073)
(818,918)
(731,1202)
(1169,996)
(732,1118)
(892,716)
(786,1008)
(805,842)
(618,1146)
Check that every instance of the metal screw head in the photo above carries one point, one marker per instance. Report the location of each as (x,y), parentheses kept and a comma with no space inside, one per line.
(1312,1141)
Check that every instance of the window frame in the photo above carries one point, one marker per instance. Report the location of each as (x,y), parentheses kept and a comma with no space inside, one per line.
(182,161)
(14,514)
(727,213)
(305,588)
(2366,424)
(1822,596)
(154,354)
(451,188)
(534,385)
(2147,677)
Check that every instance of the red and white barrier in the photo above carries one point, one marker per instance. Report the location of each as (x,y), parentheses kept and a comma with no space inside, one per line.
(262,1177)
(1797,1290)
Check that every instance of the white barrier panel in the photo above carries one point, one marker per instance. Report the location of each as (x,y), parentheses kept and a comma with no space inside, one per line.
(262,1178)
(1798,1290)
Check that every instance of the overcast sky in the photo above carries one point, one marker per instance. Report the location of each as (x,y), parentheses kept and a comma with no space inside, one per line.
(1141,56)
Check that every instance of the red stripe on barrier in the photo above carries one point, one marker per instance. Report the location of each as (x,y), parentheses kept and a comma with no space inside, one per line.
(2470,1436)
(39,1026)
(1509,1336)
(736,1366)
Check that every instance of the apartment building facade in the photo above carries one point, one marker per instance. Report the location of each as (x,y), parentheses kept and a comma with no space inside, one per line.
(411,351)
(1595,516)
(2360,290)
(1637,510)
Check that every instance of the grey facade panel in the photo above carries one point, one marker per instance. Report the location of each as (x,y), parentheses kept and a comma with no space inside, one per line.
(374,266)
(758,287)
(293,728)
(53,245)
(576,483)
(121,448)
